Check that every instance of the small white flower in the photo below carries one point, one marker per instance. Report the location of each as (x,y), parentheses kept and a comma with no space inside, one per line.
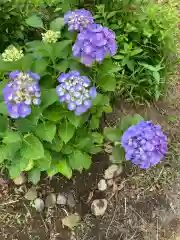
(50,36)
(12,54)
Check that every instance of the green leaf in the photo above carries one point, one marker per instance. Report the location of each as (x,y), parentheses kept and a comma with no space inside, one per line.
(18,165)
(128,121)
(56,113)
(3,153)
(79,160)
(83,141)
(59,47)
(48,97)
(109,67)
(67,149)
(35,21)
(57,24)
(35,115)
(32,148)
(75,120)
(107,83)
(34,176)
(24,125)
(66,131)
(3,124)
(11,137)
(156,76)
(3,108)
(64,168)
(112,134)
(118,154)
(62,66)
(46,131)
(95,121)
(2,85)
(45,162)
(39,65)
(149,67)
(56,144)
(93,149)
(97,138)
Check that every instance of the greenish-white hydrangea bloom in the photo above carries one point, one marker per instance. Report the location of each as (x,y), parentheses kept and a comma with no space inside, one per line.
(50,36)
(12,54)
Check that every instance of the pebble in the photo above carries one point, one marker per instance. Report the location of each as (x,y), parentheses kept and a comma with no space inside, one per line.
(61,199)
(119,171)
(110,182)
(70,200)
(50,201)
(99,206)
(31,194)
(110,171)
(102,185)
(39,204)
(21,179)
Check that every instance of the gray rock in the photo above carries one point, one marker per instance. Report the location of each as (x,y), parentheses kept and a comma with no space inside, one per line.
(102,185)
(98,207)
(110,171)
(119,171)
(61,199)
(21,179)
(50,201)
(70,200)
(39,204)
(31,194)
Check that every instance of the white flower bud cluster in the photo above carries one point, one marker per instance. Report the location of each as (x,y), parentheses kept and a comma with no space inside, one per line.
(50,36)
(12,54)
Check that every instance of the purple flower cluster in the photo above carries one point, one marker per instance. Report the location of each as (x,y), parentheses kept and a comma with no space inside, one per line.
(75,90)
(94,43)
(21,92)
(78,20)
(145,144)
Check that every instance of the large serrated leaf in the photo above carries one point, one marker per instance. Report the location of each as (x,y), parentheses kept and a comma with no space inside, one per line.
(32,148)
(66,131)
(46,131)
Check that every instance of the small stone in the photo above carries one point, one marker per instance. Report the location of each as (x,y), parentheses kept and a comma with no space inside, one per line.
(61,199)
(110,171)
(70,200)
(102,185)
(98,207)
(39,204)
(110,182)
(50,201)
(31,194)
(119,171)
(21,179)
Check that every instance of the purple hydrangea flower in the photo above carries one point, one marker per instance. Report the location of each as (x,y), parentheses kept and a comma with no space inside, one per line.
(145,144)
(94,43)
(22,92)
(78,20)
(75,90)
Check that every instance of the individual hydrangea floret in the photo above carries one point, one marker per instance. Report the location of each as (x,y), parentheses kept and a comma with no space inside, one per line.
(50,36)
(75,90)
(12,54)
(94,43)
(145,144)
(22,92)
(78,20)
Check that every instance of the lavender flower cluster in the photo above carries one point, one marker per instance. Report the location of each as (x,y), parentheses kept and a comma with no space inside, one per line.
(22,92)
(78,20)
(145,144)
(75,90)
(94,42)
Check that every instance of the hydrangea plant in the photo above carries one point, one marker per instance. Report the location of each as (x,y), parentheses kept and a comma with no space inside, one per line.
(51,104)
(137,140)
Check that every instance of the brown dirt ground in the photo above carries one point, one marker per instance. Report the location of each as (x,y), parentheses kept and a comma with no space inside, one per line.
(143,204)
